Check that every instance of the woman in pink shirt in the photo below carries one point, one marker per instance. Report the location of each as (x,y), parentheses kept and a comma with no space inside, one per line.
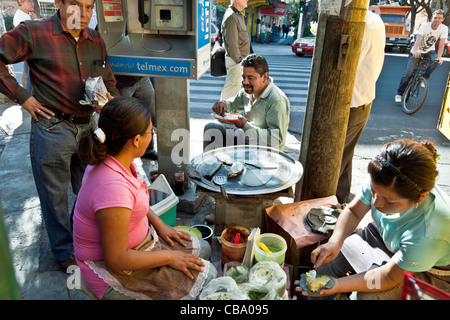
(124,250)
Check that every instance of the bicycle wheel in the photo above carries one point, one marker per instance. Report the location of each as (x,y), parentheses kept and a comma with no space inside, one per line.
(415,95)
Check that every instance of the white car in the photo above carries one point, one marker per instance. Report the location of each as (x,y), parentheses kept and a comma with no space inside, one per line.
(214,33)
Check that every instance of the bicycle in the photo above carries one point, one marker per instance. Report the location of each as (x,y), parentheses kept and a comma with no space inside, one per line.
(417,89)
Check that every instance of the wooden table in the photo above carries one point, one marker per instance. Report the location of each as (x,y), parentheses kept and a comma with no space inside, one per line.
(288,220)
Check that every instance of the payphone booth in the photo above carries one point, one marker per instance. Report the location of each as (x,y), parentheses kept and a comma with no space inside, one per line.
(170,41)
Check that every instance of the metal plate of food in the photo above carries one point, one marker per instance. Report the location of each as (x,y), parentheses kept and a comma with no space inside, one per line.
(251,170)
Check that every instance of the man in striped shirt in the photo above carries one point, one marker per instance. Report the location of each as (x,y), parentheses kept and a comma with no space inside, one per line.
(62,54)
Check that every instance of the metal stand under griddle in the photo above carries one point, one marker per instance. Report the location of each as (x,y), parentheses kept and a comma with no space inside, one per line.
(243,210)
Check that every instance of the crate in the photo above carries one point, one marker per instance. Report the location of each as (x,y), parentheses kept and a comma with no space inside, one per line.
(163,200)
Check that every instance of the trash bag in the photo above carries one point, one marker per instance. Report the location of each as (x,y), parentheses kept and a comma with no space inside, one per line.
(217,63)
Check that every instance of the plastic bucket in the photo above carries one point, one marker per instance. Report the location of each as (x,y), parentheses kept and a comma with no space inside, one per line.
(234,251)
(275,243)
(163,201)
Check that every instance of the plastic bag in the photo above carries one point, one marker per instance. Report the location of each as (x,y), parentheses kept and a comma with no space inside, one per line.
(217,47)
(96,91)
(268,274)
(259,292)
(236,271)
(223,288)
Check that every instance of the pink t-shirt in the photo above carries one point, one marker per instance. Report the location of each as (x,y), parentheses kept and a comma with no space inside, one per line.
(107,185)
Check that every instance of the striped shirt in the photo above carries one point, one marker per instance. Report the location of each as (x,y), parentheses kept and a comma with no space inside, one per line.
(59,64)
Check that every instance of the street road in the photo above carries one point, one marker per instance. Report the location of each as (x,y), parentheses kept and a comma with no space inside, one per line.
(292,73)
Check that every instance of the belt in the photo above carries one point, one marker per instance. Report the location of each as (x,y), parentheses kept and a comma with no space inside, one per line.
(72,118)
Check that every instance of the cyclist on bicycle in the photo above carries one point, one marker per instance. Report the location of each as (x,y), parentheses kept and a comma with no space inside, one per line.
(427,36)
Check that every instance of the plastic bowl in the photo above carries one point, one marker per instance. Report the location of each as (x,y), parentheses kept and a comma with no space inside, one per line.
(206,231)
(275,243)
(191,231)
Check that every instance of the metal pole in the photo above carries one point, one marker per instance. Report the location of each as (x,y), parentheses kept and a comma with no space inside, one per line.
(300,22)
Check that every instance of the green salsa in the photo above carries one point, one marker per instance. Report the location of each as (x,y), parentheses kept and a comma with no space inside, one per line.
(272,249)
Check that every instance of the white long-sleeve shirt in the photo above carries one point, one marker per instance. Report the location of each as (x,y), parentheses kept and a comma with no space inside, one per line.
(371,61)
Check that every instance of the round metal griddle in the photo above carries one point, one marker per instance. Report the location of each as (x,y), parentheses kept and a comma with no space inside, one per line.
(322,219)
(281,168)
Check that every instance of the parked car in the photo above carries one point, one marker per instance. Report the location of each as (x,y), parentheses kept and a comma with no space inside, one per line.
(446,52)
(304,46)
(215,35)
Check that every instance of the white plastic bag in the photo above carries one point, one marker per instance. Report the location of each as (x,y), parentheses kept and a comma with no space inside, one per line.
(96,91)
(269,275)
(223,288)
(236,271)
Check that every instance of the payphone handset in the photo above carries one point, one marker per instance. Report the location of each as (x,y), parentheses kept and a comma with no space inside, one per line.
(142,17)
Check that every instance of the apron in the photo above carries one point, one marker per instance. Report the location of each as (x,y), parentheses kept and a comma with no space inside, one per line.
(161,283)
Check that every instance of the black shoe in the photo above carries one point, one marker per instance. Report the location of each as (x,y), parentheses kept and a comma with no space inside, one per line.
(152,155)
(64,264)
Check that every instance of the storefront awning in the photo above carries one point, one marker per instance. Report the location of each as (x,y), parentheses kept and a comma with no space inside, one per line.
(279,10)
(223,4)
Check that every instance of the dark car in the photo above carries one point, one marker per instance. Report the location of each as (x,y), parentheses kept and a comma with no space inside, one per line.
(446,52)
(304,46)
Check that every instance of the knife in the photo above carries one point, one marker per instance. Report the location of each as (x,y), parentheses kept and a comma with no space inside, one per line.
(313,275)
(260,167)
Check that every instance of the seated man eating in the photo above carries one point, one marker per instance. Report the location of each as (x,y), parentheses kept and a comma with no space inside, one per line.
(262,111)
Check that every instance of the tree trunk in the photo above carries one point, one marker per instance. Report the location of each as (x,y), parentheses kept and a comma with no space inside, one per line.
(329,96)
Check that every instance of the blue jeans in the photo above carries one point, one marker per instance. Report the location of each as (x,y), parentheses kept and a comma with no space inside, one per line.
(411,65)
(143,91)
(55,164)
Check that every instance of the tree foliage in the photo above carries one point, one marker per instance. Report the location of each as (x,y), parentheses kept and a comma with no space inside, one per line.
(426,7)
(309,14)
